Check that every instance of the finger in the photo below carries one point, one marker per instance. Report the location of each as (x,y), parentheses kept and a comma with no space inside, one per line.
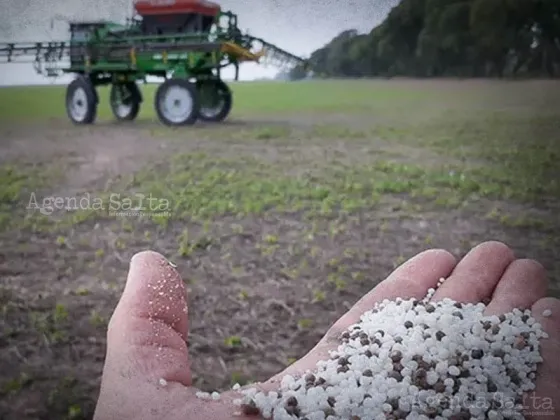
(410,280)
(473,280)
(544,403)
(523,283)
(147,332)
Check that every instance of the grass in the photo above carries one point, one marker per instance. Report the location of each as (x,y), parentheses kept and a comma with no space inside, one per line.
(474,153)
(19,186)
(47,102)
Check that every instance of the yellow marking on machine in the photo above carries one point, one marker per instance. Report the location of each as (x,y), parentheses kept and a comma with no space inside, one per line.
(133,56)
(241,53)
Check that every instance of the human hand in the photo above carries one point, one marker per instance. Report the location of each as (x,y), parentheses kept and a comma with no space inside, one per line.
(147,332)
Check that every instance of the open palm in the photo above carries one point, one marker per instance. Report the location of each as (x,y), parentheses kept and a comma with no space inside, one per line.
(147,332)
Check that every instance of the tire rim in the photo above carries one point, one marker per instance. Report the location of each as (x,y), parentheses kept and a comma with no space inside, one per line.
(123,110)
(176,104)
(213,111)
(79,104)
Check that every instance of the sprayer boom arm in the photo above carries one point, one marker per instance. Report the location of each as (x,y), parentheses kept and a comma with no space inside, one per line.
(276,55)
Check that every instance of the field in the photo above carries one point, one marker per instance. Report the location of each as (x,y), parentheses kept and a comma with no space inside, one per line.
(278,219)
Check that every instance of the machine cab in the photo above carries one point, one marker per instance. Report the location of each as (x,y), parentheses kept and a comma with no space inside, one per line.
(166,17)
(84,31)
(80,34)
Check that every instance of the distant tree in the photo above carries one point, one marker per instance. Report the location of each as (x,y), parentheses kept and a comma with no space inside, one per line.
(468,38)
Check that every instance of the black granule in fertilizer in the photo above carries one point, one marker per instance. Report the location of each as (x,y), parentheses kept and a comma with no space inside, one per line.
(397,367)
(395,375)
(439,386)
(458,314)
(499,353)
(250,409)
(477,354)
(396,356)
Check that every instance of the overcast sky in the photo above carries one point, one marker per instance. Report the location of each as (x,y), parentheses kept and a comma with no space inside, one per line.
(299,26)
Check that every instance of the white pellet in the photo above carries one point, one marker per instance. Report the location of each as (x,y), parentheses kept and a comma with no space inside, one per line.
(454,370)
(547,313)
(203,395)
(162,382)
(427,346)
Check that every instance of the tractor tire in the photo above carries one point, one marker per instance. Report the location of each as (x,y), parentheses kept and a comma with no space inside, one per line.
(81,101)
(221,100)
(177,102)
(125,101)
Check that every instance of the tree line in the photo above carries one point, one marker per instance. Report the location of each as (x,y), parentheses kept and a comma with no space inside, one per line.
(438,38)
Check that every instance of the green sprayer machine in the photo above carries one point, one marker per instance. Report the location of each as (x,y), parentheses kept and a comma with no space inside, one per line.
(185,42)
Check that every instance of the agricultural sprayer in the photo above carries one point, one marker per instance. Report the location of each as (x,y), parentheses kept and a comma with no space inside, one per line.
(186,42)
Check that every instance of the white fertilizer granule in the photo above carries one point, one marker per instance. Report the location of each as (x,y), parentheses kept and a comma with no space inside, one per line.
(203,395)
(414,359)
(547,313)
(163,382)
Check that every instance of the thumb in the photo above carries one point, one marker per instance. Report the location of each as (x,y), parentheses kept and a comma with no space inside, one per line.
(147,333)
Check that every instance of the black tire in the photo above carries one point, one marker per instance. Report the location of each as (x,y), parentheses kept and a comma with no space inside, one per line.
(223,96)
(81,101)
(186,95)
(125,101)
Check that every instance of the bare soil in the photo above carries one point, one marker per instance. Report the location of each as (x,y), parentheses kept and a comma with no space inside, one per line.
(52,356)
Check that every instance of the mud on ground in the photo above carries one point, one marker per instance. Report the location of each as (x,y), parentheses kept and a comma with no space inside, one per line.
(264,283)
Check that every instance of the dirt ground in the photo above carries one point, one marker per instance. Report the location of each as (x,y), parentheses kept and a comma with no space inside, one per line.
(254,309)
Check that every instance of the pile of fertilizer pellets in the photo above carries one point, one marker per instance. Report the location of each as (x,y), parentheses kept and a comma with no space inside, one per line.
(415,359)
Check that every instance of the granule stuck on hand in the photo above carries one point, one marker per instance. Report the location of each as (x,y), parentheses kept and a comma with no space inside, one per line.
(203,395)
(430,361)
(547,313)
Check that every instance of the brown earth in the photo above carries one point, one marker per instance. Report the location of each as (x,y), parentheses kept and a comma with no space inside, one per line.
(56,297)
